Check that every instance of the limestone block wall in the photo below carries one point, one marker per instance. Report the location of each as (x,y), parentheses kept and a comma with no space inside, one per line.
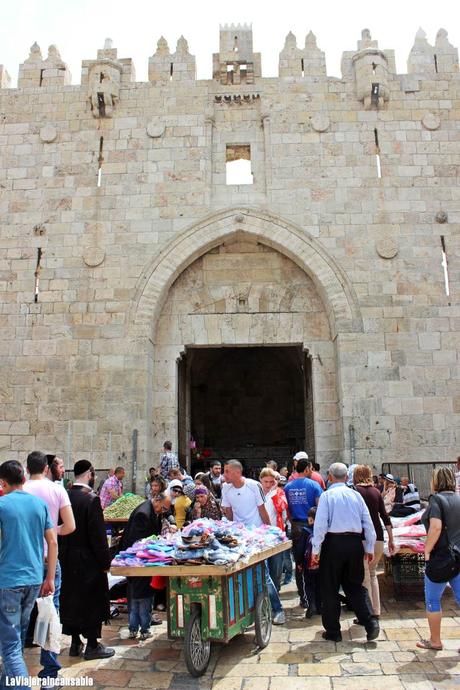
(100,214)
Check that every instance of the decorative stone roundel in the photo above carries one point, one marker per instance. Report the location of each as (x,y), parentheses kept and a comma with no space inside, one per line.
(431,121)
(93,256)
(386,248)
(155,129)
(48,134)
(320,122)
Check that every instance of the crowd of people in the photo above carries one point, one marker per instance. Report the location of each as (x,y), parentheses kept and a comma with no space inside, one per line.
(54,543)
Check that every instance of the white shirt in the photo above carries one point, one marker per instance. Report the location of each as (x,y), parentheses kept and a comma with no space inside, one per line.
(244,501)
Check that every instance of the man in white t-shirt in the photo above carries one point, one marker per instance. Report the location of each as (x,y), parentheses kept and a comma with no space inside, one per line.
(58,502)
(243,501)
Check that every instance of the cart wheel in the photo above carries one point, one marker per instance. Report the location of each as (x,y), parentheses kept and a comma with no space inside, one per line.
(263,620)
(196,650)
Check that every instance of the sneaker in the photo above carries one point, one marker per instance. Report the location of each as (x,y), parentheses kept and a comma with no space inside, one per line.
(311,611)
(99,652)
(132,634)
(155,620)
(279,618)
(145,635)
(287,581)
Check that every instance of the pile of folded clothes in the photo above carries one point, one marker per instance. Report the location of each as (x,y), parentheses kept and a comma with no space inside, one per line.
(217,542)
(153,551)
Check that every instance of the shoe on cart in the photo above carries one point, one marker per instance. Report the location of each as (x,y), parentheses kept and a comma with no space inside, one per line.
(160,607)
(155,620)
(145,635)
(132,634)
(76,649)
(99,652)
(279,618)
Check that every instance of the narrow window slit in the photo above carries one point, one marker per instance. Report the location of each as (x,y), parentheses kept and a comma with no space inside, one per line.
(436,64)
(100,161)
(445,266)
(171,71)
(302,66)
(374,67)
(378,161)
(41,76)
(37,274)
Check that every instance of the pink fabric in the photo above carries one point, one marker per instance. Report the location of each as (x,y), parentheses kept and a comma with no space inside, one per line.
(53,494)
(114,484)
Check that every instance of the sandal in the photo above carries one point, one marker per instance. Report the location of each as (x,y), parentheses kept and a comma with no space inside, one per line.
(426,644)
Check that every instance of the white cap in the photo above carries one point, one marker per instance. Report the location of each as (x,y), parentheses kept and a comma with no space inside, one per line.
(301,455)
(176,484)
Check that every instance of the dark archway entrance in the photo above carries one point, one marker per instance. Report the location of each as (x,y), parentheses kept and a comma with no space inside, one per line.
(252,403)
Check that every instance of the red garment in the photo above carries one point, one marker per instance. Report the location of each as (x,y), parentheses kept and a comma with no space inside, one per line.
(318,478)
(280,503)
(158,582)
(314,475)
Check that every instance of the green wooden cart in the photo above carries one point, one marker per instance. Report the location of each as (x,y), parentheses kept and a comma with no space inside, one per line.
(210,603)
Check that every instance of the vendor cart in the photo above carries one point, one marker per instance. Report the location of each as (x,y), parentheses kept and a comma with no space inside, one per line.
(211,603)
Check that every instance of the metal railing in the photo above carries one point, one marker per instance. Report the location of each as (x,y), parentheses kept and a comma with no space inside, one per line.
(419,473)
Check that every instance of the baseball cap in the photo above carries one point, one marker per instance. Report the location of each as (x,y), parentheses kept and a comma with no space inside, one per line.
(301,455)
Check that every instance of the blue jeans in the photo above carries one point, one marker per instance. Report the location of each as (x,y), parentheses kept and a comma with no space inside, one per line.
(275,600)
(287,565)
(49,660)
(16,605)
(435,590)
(139,614)
(275,568)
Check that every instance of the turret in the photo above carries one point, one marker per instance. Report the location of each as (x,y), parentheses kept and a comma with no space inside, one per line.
(103,78)
(236,63)
(370,67)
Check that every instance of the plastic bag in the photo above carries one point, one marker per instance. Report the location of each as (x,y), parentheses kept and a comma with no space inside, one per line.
(47,632)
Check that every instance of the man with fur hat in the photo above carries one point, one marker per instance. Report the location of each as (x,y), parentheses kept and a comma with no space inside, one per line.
(85,560)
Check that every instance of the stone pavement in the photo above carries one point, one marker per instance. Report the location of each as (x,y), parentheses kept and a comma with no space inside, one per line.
(296,658)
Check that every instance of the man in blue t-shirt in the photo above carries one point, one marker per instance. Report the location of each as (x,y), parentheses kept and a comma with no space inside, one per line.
(302,494)
(25,523)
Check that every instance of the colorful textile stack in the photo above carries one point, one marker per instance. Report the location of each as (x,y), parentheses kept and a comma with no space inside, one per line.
(217,542)
(407,534)
(153,551)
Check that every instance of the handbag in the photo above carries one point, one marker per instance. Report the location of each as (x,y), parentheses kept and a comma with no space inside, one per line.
(444,563)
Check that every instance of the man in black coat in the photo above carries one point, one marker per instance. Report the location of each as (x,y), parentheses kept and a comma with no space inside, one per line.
(145,521)
(85,559)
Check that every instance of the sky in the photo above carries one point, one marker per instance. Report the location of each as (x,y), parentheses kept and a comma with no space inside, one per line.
(79,27)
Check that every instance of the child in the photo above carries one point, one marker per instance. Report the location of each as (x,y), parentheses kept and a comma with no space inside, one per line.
(306,572)
(181,502)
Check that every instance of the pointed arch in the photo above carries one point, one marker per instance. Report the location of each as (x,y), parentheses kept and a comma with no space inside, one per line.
(280,234)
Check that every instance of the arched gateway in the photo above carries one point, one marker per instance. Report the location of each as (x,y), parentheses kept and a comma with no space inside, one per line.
(236,322)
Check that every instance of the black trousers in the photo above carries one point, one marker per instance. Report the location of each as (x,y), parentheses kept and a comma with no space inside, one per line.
(296,536)
(342,565)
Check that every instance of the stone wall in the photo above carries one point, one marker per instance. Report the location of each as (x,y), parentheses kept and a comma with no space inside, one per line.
(112,188)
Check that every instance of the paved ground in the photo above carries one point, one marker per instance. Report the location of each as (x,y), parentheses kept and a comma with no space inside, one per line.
(296,659)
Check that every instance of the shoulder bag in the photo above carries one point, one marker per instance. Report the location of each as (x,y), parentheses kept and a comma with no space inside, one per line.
(444,563)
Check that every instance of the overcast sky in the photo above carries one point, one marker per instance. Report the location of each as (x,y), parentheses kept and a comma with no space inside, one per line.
(79,27)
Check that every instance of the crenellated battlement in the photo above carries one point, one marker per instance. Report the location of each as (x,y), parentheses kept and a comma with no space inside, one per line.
(237,62)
